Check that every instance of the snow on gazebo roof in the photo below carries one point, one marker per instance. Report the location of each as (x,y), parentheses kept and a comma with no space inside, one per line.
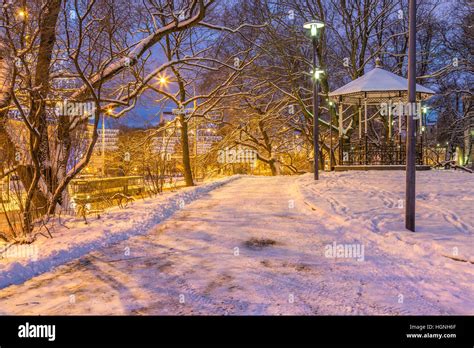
(378,85)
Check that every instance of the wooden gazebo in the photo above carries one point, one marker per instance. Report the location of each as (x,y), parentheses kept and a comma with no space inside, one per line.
(387,92)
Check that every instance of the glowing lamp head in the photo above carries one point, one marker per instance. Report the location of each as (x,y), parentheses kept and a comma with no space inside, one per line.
(317,73)
(163,80)
(313,26)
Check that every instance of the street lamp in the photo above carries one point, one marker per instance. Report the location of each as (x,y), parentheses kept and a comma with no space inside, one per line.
(410,190)
(22,14)
(109,111)
(313,27)
(317,74)
(163,80)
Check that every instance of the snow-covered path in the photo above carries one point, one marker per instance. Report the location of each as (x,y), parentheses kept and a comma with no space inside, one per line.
(258,245)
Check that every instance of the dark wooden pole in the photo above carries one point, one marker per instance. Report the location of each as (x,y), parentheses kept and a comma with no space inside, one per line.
(410,195)
(315,111)
(330,138)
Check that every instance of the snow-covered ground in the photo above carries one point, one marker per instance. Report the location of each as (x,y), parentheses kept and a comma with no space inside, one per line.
(74,238)
(273,245)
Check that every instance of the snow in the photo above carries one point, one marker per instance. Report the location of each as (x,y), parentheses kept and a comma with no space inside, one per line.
(378,80)
(73,238)
(445,201)
(275,245)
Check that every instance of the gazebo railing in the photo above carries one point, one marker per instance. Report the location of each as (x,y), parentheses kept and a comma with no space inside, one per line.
(359,153)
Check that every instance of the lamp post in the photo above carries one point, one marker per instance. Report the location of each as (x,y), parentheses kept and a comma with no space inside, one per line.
(410,193)
(313,26)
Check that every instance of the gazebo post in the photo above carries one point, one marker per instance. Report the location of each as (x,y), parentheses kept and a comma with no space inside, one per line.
(330,138)
(390,121)
(422,137)
(340,119)
(365,131)
(400,137)
(359,160)
(389,144)
(341,157)
(360,122)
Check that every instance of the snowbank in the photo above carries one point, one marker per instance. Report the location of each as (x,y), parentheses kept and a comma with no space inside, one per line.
(372,204)
(73,238)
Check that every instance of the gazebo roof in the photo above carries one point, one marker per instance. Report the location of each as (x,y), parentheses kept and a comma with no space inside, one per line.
(378,85)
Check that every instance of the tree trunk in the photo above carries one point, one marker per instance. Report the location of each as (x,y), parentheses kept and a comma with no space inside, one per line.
(42,82)
(188,174)
(274,167)
(39,144)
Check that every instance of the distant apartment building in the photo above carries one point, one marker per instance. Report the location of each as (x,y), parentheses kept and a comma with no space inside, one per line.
(107,137)
(206,130)
(107,140)
(165,144)
(206,138)
(5,189)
